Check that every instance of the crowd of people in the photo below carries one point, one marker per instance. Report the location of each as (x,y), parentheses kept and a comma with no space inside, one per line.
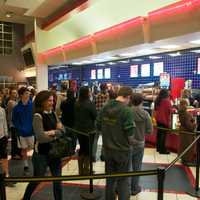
(33,121)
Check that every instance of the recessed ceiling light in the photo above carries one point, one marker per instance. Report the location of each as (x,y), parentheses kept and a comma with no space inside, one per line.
(195,42)
(111,63)
(124,61)
(175,54)
(154,57)
(172,46)
(77,63)
(9,14)
(195,51)
(137,59)
(101,64)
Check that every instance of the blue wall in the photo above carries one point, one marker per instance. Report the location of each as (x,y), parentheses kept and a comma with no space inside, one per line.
(184,66)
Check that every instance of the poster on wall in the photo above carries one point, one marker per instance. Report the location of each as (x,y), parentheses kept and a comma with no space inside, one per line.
(164,80)
(145,70)
(107,73)
(158,68)
(93,74)
(198,66)
(133,71)
(99,73)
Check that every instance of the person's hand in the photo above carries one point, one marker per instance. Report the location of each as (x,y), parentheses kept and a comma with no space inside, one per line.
(51,133)
(59,125)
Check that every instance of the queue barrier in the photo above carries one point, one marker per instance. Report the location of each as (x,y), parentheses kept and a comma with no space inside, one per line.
(160,171)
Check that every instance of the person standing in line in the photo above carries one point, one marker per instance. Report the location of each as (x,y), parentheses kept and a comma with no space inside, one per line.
(22,121)
(163,111)
(85,115)
(4,143)
(67,116)
(15,150)
(187,123)
(115,121)
(144,126)
(100,100)
(46,128)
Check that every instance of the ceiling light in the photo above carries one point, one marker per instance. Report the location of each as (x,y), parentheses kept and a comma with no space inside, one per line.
(154,57)
(172,46)
(195,51)
(111,63)
(195,42)
(9,14)
(77,63)
(137,59)
(175,54)
(124,61)
(86,61)
(101,64)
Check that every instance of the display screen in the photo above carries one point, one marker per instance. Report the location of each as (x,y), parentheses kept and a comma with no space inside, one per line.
(133,71)
(164,80)
(99,73)
(107,73)
(158,68)
(93,74)
(198,66)
(145,70)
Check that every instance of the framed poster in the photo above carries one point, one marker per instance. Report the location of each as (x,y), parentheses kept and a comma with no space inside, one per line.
(93,74)
(100,74)
(145,70)
(107,73)
(198,66)
(158,68)
(164,80)
(133,71)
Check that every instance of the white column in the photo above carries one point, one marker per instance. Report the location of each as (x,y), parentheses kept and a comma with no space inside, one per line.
(41,67)
(41,77)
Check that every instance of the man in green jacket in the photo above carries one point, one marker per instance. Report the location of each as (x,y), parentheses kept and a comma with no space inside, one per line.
(116,123)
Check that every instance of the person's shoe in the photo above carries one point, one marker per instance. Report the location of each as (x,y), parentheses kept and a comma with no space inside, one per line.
(26,171)
(135,192)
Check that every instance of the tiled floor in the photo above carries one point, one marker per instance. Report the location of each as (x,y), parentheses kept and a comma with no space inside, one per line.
(71,168)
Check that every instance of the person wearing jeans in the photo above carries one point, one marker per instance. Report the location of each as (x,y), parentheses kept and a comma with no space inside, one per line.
(115,121)
(143,126)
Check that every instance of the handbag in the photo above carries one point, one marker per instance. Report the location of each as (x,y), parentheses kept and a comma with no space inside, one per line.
(61,147)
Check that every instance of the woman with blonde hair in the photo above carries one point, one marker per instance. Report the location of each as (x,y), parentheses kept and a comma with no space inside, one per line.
(187,123)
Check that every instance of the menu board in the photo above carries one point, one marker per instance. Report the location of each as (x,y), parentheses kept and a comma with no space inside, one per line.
(158,68)
(164,80)
(99,73)
(107,73)
(145,70)
(133,71)
(93,74)
(198,66)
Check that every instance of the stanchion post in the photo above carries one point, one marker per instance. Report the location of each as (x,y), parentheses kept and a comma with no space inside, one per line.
(2,187)
(161,179)
(91,195)
(195,192)
(91,164)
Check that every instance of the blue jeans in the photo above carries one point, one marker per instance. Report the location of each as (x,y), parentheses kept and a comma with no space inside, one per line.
(117,161)
(136,165)
(40,164)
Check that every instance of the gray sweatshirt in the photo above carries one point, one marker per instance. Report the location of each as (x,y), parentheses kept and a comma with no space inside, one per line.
(144,126)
